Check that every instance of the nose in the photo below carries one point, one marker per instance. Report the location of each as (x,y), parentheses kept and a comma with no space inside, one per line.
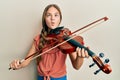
(53,17)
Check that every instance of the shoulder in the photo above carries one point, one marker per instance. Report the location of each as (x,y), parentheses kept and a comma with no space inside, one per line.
(37,38)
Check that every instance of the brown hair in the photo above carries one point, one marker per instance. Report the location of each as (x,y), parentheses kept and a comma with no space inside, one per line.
(45,29)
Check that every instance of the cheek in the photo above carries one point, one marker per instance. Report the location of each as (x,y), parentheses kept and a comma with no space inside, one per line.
(47,21)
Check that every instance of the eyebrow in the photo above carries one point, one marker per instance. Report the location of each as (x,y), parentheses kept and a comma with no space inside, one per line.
(54,13)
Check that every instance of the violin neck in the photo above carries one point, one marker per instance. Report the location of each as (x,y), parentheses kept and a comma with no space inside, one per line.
(77,44)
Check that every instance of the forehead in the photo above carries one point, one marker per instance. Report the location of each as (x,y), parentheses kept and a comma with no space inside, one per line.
(52,10)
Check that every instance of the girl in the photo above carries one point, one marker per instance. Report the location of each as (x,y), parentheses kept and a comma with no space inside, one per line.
(51,66)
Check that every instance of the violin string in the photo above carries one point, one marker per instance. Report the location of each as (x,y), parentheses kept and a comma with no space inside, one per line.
(65,41)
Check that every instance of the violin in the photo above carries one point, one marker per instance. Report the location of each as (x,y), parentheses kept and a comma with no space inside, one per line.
(67,42)
(71,45)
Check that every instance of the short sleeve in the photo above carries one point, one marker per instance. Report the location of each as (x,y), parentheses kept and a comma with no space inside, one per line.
(36,41)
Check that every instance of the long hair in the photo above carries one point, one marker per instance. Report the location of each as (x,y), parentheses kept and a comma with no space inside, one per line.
(45,29)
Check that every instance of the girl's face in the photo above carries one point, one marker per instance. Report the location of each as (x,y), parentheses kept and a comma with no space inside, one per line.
(52,18)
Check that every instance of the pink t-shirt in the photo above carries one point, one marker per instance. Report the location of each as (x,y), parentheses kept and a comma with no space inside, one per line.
(52,63)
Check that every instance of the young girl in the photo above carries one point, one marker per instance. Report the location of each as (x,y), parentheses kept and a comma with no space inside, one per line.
(51,65)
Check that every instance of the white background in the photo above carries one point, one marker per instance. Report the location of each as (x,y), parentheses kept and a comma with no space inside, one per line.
(20,21)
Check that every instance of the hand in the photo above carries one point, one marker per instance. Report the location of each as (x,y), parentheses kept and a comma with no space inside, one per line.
(15,64)
(82,53)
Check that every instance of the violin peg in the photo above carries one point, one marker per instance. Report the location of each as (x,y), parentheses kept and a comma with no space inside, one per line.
(101,55)
(106,60)
(91,65)
(97,71)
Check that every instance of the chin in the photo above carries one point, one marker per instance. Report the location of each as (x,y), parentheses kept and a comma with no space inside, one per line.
(53,27)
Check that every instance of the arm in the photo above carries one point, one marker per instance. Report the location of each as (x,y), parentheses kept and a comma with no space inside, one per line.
(77,57)
(15,64)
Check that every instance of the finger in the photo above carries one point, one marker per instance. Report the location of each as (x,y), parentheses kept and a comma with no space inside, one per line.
(88,47)
(18,62)
(83,52)
(79,52)
(77,49)
(11,66)
(86,54)
(15,64)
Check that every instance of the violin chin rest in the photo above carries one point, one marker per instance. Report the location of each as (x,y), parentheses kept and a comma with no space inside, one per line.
(56,30)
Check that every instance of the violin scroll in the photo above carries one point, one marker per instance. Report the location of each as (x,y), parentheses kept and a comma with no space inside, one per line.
(101,55)
(103,66)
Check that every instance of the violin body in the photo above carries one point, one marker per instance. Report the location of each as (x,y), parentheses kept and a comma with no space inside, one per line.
(68,47)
